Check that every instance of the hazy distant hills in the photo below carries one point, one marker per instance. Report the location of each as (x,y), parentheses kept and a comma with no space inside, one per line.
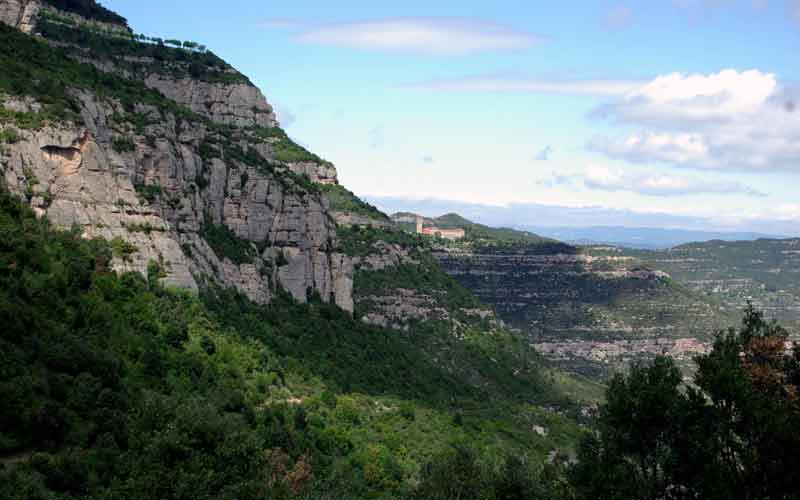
(640,237)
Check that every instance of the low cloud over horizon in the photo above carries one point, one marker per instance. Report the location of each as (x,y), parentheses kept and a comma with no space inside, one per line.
(781,221)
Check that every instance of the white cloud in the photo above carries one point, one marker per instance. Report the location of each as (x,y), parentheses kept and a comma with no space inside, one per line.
(728,120)
(650,184)
(529,85)
(422,35)
(619,18)
(782,220)
(544,154)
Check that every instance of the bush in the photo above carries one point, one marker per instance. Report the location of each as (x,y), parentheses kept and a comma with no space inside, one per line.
(123,145)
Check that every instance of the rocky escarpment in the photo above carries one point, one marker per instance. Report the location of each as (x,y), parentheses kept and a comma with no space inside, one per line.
(19,14)
(189,184)
(238,104)
(596,309)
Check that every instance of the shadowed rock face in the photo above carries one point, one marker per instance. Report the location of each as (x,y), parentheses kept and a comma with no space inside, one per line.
(152,187)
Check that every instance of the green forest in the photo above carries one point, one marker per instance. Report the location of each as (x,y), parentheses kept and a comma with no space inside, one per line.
(114,387)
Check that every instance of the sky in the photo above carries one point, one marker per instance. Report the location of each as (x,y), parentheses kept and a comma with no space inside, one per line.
(674,113)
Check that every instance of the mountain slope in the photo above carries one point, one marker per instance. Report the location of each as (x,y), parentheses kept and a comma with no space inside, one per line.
(592,310)
(764,271)
(193,307)
(113,385)
(474,232)
(172,151)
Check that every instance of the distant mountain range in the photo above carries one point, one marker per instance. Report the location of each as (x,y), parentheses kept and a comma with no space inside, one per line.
(639,237)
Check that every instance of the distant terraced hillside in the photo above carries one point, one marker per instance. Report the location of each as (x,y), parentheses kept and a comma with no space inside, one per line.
(593,310)
(765,271)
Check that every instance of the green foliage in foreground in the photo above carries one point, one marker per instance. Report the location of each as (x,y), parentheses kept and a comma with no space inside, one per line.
(113,387)
(731,435)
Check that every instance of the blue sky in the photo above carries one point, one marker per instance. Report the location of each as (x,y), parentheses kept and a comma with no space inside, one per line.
(674,110)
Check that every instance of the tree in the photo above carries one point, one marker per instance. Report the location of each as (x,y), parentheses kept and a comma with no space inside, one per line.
(732,435)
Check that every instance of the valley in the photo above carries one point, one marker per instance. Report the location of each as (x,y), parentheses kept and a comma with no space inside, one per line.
(595,309)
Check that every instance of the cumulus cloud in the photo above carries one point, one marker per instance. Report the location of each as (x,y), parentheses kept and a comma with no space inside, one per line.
(422,35)
(728,121)
(655,184)
(493,83)
(544,154)
(618,18)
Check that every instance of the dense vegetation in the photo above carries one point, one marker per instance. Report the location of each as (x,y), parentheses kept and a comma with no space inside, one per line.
(114,387)
(765,271)
(732,434)
(88,9)
(343,200)
(34,69)
(360,241)
(482,236)
(155,58)
(285,149)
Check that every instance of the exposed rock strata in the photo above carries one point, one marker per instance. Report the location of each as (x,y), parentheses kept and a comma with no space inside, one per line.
(19,14)
(77,175)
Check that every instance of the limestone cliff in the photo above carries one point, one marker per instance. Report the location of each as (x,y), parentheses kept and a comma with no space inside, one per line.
(195,182)
(19,13)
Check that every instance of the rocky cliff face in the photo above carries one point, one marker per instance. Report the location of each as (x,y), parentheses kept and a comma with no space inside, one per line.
(19,14)
(591,313)
(189,188)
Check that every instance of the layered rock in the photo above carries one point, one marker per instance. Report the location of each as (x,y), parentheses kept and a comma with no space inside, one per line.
(237,104)
(149,187)
(19,14)
(603,310)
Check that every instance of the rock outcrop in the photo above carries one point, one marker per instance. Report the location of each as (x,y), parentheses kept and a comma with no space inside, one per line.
(19,14)
(589,313)
(144,179)
(237,104)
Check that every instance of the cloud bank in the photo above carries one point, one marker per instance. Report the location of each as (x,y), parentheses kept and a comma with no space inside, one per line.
(420,35)
(744,121)
(654,184)
(783,220)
